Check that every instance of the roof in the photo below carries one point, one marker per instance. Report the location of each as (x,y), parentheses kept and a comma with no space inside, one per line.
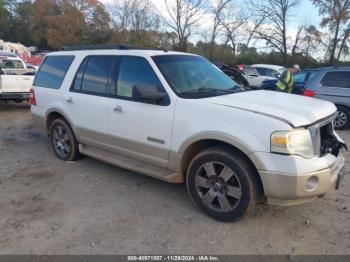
(117,52)
(114,49)
(330,68)
(10,58)
(277,67)
(8,54)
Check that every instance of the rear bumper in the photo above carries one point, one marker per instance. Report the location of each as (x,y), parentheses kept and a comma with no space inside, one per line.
(38,120)
(14,96)
(290,189)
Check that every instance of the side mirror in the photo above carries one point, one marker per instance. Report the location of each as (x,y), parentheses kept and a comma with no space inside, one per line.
(147,93)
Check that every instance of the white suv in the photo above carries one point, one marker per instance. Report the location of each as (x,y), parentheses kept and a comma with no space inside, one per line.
(178,118)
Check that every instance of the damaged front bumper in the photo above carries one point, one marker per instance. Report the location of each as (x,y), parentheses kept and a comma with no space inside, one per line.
(290,180)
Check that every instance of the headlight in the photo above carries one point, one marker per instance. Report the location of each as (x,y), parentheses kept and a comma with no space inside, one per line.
(294,142)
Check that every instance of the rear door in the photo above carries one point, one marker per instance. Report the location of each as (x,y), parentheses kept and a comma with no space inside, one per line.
(87,99)
(334,86)
(253,77)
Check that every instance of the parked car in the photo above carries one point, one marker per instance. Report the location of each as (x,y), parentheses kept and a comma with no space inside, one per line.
(235,74)
(176,117)
(332,84)
(300,78)
(274,71)
(254,78)
(15,79)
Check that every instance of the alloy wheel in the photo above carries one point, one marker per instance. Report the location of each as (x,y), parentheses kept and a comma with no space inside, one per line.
(61,141)
(218,186)
(341,119)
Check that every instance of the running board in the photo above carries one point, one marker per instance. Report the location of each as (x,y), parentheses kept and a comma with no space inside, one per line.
(131,164)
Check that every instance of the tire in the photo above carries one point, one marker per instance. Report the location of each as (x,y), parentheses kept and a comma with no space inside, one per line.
(63,141)
(232,193)
(342,120)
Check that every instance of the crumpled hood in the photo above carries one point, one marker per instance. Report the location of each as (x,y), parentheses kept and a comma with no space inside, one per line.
(296,110)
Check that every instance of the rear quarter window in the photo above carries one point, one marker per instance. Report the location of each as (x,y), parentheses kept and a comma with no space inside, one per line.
(52,72)
(336,79)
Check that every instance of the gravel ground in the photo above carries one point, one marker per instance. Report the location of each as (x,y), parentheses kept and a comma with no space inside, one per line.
(88,207)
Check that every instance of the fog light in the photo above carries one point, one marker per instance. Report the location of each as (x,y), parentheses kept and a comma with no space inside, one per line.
(311,183)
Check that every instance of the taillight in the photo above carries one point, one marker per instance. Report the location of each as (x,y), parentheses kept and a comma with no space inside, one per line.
(32,97)
(309,93)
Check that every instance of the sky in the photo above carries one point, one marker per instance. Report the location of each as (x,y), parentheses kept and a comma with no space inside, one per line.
(306,13)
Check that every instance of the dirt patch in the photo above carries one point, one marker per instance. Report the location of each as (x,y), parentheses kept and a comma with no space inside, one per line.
(48,206)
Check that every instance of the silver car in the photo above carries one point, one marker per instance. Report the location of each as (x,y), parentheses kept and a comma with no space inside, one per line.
(332,84)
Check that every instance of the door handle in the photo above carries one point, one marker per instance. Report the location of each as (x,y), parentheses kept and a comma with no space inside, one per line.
(70,100)
(118,109)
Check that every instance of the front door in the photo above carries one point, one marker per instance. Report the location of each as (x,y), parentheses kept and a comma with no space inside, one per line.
(139,129)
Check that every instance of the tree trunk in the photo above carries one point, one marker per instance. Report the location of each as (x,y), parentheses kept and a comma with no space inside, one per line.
(345,38)
(334,45)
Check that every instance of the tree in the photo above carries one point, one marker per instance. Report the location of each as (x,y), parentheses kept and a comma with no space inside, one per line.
(23,22)
(184,17)
(311,40)
(217,10)
(62,22)
(336,13)
(45,13)
(4,19)
(274,25)
(232,20)
(137,21)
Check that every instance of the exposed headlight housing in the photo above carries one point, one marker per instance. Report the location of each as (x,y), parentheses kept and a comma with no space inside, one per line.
(293,142)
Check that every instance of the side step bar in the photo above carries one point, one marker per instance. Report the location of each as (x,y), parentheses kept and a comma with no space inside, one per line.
(131,164)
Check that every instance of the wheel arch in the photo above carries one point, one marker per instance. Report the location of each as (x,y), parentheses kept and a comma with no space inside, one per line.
(55,113)
(193,146)
(342,105)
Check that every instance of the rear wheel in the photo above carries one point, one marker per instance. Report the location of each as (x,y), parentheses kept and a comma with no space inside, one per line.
(63,141)
(342,119)
(223,184)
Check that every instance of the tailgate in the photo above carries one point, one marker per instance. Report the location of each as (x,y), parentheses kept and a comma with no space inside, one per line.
(16,83)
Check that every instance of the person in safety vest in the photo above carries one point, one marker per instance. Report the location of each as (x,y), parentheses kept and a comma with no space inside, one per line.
(285,82)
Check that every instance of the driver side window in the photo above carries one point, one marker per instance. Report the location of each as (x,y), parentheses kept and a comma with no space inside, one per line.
(135,71)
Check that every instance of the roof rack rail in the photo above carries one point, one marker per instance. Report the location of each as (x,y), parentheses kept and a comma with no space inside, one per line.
(94,47)
(108,47)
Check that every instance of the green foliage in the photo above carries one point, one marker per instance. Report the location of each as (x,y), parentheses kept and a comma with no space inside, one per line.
(4,19)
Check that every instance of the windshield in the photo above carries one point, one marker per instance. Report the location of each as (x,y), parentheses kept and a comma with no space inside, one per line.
(11,64)
(194,76)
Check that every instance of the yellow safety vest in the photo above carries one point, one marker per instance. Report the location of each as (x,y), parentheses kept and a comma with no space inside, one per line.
(285,82)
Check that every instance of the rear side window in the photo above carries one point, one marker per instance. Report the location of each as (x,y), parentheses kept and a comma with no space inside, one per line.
(11,64)
(52,72)
(337,79)
(267,72)
(93,75)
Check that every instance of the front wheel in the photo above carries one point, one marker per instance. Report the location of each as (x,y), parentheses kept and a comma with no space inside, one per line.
(342,119)
(223,184)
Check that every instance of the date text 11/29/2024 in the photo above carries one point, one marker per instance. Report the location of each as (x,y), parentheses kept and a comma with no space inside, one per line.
(173,258)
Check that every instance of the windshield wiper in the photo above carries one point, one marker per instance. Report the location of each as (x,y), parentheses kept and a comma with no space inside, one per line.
(207,90)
